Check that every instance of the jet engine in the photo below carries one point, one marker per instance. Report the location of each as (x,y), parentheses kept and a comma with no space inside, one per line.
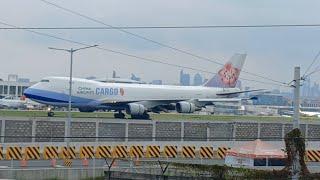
(135,109)
(185,107)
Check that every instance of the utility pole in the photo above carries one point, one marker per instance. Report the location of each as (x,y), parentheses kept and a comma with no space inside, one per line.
(296,121)
(71,51)
(296,105)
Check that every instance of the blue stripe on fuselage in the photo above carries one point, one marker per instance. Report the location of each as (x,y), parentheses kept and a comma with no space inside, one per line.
(54,98)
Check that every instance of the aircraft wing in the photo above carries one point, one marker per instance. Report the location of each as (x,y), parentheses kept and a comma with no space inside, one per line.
(152,105)
(231,93)
(224,100)
(146,103)
(167,104)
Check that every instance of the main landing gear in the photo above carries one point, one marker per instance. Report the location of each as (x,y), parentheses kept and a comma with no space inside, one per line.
(119,115)
(143,116)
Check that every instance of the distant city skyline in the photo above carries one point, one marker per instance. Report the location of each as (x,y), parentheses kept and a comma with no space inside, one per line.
(310,89)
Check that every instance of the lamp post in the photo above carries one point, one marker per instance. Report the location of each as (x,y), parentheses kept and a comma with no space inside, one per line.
(71,51)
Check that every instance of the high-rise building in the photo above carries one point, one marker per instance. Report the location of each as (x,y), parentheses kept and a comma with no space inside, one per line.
(315,90)
(310,90)
(306,88)
(184,78)
(197,80)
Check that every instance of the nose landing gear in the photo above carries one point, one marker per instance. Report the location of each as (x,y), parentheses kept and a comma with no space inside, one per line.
(50,112)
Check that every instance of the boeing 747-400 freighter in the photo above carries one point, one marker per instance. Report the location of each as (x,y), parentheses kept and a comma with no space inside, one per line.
(139,99)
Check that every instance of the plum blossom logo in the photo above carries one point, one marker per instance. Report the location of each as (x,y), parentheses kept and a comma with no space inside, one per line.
(229,75)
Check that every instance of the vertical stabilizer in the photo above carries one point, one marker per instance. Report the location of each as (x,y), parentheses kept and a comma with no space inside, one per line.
(228,75)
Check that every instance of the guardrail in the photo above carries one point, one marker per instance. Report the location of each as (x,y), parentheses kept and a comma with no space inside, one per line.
(105,151)
(122,152)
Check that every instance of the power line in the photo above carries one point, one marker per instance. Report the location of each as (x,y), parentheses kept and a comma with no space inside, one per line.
(127,54)
(311,73)
(153,41)
(309,67)
(165,27)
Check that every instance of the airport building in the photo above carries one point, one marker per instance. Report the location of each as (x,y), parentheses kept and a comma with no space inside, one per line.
(271,100)
(226,108)
(310,102)
(14,86)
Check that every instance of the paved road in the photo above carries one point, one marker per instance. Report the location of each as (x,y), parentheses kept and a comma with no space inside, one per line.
(122,164)
(35,164)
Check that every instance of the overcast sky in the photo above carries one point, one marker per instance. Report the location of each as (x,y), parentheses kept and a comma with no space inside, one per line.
(272,52)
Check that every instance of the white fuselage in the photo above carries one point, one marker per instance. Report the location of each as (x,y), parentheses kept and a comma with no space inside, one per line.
(55,90)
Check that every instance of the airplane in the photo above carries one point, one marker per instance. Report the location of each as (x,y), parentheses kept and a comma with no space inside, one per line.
(12,102)
(303,113)
(139,99)
(310,114)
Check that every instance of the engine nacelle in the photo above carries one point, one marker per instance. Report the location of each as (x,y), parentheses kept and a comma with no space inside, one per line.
(135,109)
(185,107)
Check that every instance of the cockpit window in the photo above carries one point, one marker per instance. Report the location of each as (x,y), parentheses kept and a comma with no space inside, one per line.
(44,80)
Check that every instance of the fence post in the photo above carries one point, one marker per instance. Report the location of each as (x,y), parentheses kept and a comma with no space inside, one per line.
(3,128)
(94,167)
(182,131)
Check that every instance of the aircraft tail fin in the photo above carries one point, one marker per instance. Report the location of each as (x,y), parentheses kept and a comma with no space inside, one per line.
(228,75)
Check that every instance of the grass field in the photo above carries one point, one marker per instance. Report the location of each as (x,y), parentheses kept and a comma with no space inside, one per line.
(162,116)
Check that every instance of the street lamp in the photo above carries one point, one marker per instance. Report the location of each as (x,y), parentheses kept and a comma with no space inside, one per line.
(71,51)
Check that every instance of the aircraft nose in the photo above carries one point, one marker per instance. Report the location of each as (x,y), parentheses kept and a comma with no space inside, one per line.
(28,92)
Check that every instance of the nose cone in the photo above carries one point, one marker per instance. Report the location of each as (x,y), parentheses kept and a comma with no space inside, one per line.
(33,93)
(28,92)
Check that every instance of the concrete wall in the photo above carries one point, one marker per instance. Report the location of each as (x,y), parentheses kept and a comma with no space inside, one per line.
(168,131)
(110,130)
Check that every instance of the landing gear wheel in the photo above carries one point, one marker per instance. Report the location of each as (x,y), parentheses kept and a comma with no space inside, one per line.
(119,115)
(143,116)
(50,114)
(146,116)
